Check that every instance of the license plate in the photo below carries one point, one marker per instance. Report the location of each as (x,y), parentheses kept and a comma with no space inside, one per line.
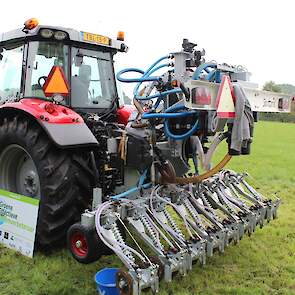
(94,38)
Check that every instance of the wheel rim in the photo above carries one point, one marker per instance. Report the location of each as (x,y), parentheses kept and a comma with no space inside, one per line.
(79,244)
(18,172)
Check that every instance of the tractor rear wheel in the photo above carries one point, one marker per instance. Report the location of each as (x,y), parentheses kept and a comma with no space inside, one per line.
(31,165)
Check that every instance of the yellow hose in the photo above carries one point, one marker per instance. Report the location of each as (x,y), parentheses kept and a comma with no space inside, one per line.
(211,172)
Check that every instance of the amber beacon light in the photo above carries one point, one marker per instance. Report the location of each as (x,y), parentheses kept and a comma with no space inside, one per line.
(31,24)
(120,36)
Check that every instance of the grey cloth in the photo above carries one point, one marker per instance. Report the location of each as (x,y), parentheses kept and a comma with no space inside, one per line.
(243,123)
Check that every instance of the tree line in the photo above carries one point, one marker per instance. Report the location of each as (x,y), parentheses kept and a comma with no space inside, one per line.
(280,117)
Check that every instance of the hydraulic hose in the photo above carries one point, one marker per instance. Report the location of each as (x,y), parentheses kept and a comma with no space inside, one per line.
(134,189)
(130,191)
(169,114)
(147,74)
(166,115)
(180,136)
(201,68)
(146,77)
(184,135)
(159,94)
(133,80)
(157,62)
(211,75)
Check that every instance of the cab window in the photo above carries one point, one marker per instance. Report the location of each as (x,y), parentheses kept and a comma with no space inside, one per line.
(92,81)
(11,57)
(42,57)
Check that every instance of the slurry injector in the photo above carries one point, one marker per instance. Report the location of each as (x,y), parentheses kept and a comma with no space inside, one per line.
(164,214)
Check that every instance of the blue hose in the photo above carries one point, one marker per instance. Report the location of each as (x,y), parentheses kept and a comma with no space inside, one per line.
(175,108)
(147,74)
(146,77)
(169,114)
(201,68)
(211,75)
(157,103)
(184,135)
(218,77)
(159,94)
(156,62)
(180,136)
(130,191)
(142,178)
(189,133)
(166,115)
(134,189)
(132,80)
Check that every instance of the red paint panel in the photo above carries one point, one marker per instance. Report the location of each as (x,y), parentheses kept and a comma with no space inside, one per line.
(36,107)
(226,115)
(124,113)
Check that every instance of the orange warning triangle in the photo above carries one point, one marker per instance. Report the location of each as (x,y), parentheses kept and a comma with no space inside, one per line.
(225,102)
(56,82)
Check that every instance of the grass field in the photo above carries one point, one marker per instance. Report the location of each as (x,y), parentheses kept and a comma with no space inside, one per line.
(261,264)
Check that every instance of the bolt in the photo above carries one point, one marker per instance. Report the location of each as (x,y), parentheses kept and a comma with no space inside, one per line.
(30,185)
(78,244)
(122,284)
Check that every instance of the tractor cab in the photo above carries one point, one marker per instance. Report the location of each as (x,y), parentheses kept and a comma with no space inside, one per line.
(27,56)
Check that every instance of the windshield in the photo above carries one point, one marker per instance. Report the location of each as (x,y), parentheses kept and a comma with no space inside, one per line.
(92,81)
(43,56)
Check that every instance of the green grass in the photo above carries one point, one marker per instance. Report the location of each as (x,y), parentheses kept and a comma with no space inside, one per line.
(261,264)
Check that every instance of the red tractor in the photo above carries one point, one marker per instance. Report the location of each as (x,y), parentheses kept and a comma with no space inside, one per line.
(46,147)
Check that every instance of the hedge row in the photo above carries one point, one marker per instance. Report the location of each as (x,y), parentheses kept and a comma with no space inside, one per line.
(279,117)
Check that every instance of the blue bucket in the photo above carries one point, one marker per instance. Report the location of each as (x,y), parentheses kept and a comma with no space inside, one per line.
(106,281)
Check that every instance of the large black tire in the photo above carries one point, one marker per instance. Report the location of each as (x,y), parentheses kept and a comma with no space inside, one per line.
(64,174)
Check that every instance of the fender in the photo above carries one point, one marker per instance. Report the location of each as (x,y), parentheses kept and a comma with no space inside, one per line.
(64,126)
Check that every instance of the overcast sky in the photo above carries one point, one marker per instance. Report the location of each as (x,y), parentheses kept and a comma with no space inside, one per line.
(256,34)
